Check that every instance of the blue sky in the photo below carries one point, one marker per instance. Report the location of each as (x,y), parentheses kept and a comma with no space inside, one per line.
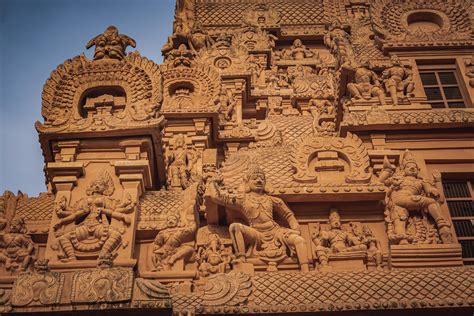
(38,35)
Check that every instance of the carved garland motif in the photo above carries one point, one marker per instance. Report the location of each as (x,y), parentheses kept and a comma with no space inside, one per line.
(68,85)
(350,149)
(38,289)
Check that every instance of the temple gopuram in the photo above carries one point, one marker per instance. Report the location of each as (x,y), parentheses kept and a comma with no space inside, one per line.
(288,156)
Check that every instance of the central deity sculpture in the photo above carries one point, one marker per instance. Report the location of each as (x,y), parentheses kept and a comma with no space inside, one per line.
(94,213)
(262,237)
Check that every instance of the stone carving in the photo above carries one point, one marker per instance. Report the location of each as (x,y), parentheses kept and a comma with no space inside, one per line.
(329,150)
(254,38)
(366,84)
(334,241)
(110,44)
(229,289)
(297,51)
(93,232)
(398,81)
(226,106)
(224,56)
(470,71)
(199,38)
(261,15)
(338,41)
(412,203)
(17,250)
(151,294)
(133,77)
(175,241)
(38,288)
(214,257)
(321,107)
(181,163)
(5,305)
(374,248)
(256,71)
(184,16)
(262,237)
(102,285)
(305,81)
(189,85)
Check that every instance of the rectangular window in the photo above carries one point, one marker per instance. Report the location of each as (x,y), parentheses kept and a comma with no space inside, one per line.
(460,198)
(441,86)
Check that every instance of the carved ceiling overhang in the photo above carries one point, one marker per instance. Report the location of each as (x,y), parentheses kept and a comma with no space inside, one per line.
(408,119)
(415,24)
(84,95)
(190,88)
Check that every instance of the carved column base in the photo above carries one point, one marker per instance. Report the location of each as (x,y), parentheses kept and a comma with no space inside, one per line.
(425,256)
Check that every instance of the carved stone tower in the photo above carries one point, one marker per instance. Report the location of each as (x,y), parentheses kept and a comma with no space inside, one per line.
(286,157)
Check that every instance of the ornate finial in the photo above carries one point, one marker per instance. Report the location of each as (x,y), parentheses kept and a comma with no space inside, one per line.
(110,44)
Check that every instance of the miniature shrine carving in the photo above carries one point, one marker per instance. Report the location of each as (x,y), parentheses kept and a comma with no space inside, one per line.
(412,205)
(92,233)
(262,236)
(110,44)
(17,250)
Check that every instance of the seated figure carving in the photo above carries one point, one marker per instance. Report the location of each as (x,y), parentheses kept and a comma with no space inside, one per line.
(214,256)
(366,84)
(16,247)
(409,192)
(169,247)
(297,51)
(261,237)
(110,44)
(335,240)
(93,233)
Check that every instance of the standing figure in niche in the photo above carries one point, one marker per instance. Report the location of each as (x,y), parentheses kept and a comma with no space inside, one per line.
(319,105)
(409,192)
(398,80)
(180,162)
(93,232)
(262,236)
(16,246)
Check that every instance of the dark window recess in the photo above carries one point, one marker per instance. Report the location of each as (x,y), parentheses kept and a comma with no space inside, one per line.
(456,190)
(460,200)
(442,87)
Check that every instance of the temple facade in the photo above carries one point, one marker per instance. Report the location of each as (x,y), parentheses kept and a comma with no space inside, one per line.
(303,156)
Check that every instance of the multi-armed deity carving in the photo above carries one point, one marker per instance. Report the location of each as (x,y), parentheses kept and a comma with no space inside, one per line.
(335,240)
(366,84)
(398,80)
(261,237)
(87,230)
(110,44)
(181,163)
(413,205)
(17,250)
